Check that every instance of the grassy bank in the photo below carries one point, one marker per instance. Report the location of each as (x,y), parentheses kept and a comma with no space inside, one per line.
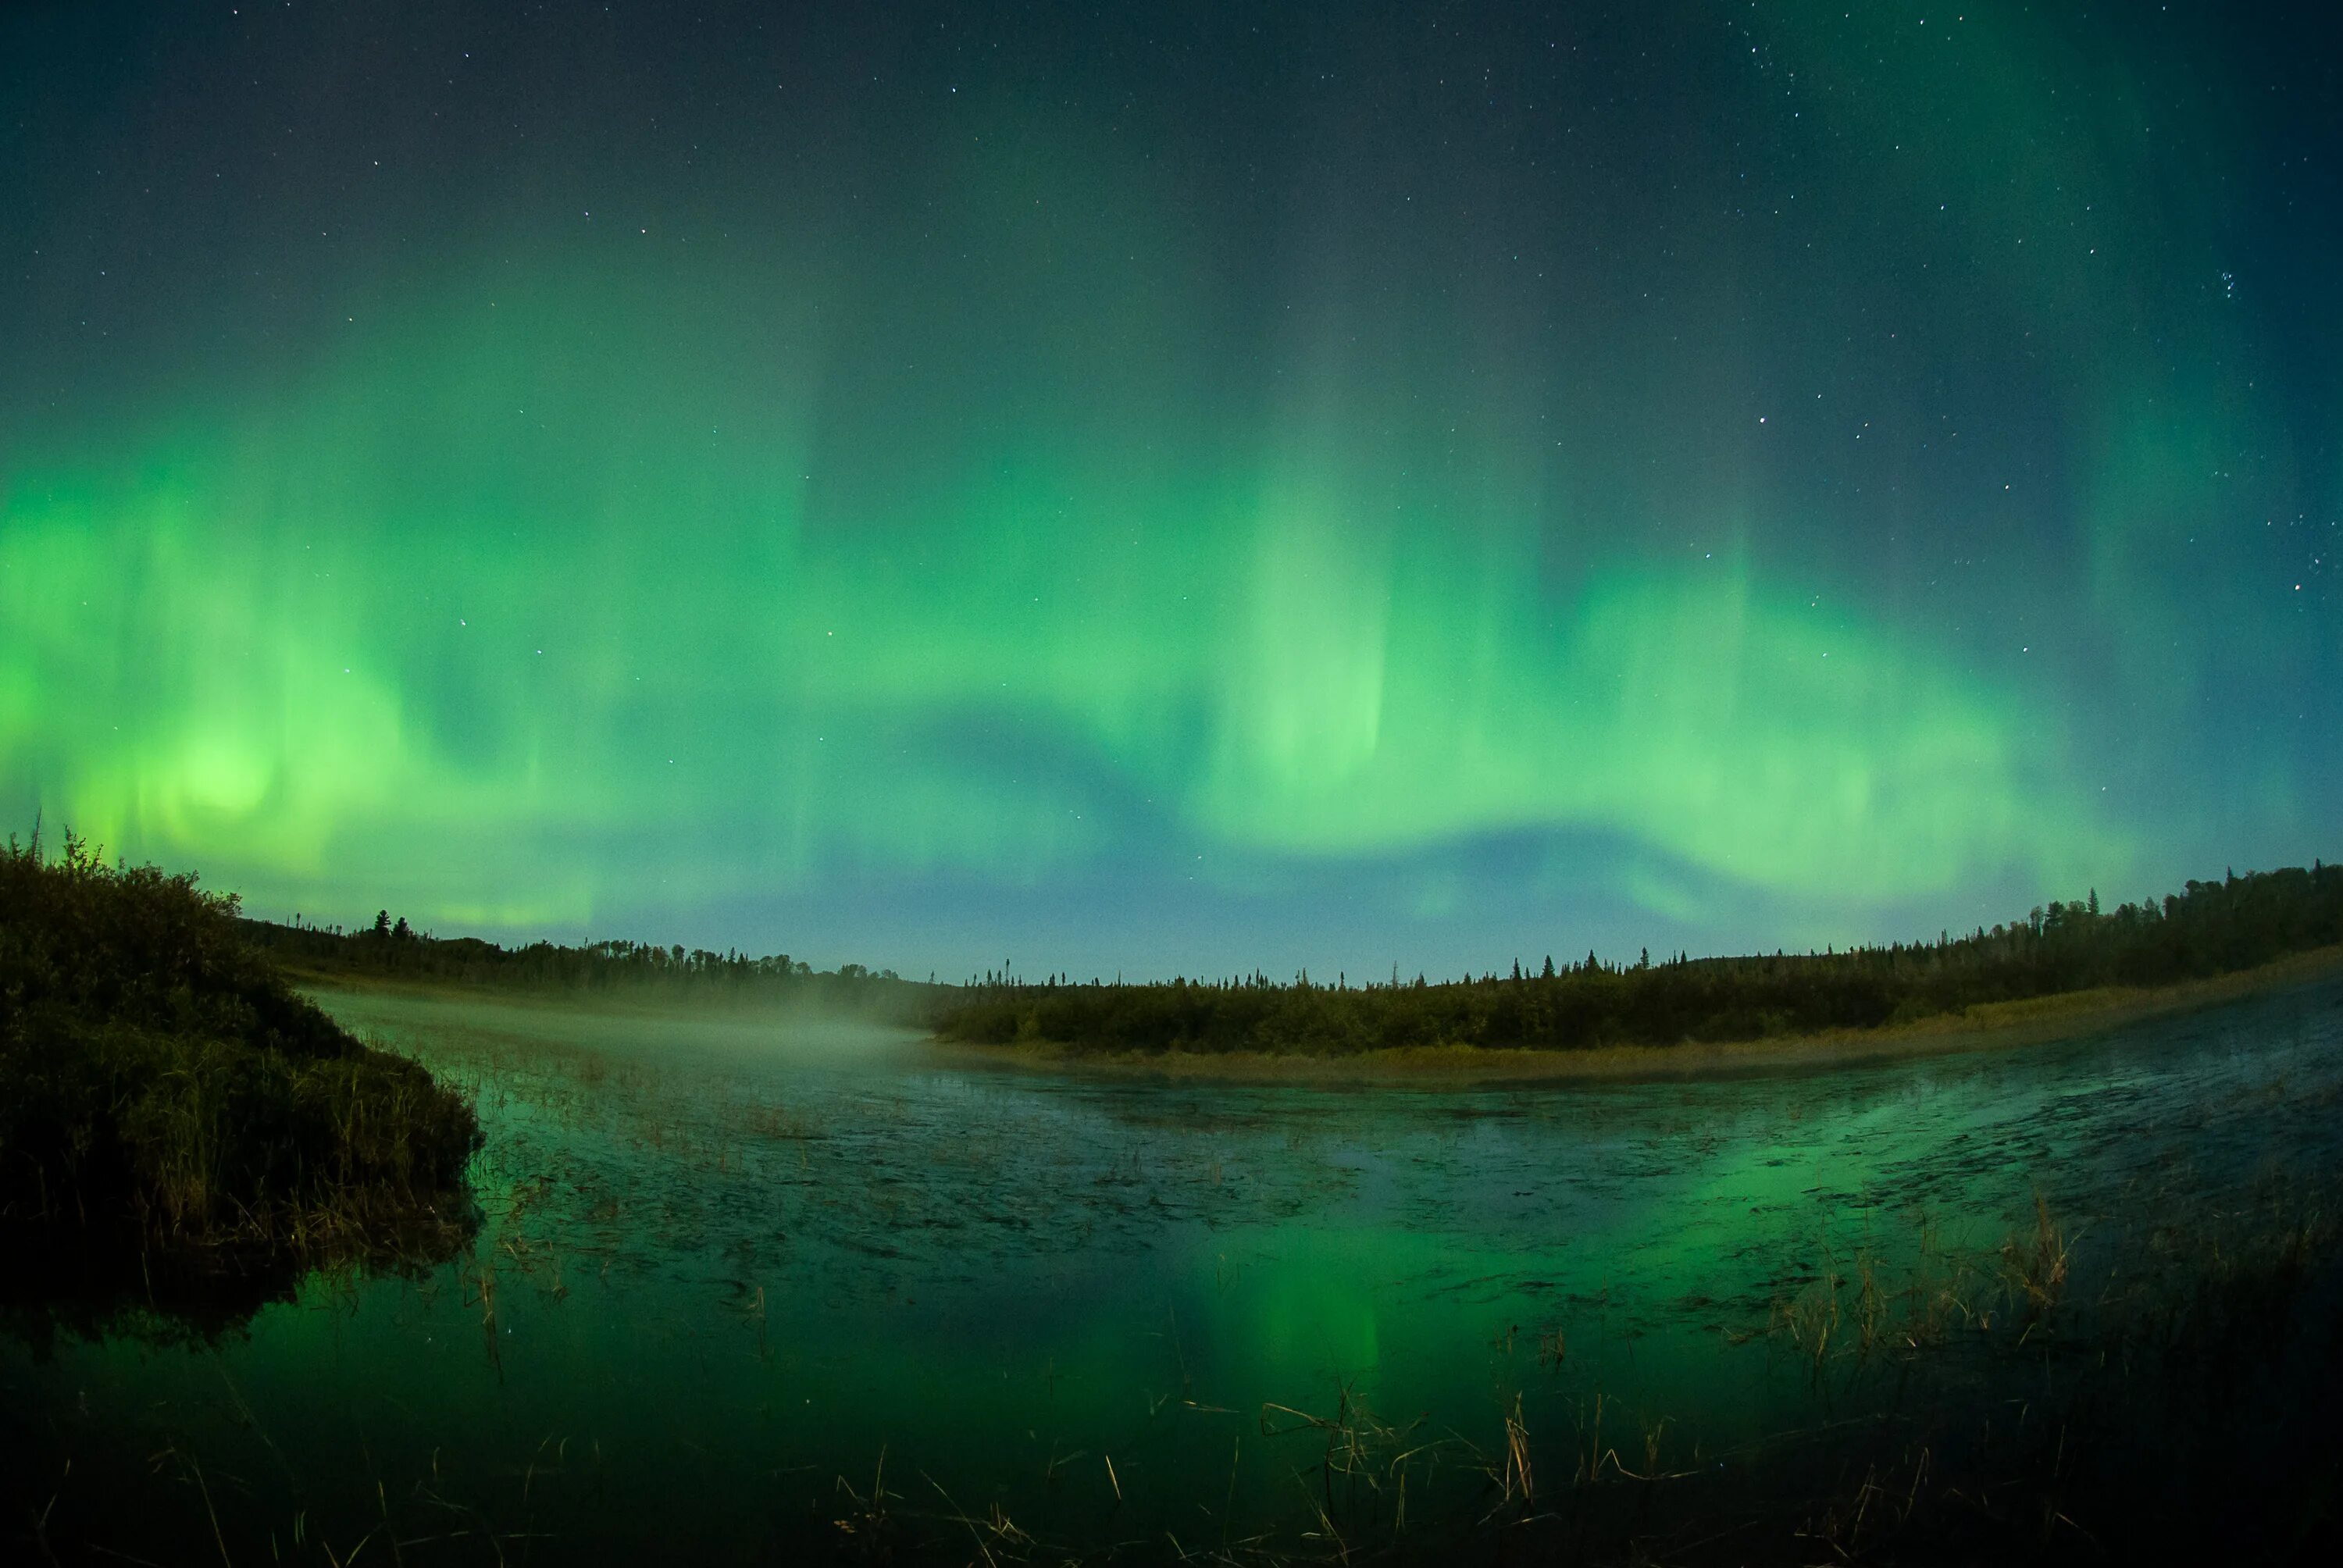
(163,1087)
(1990,1026)
(2066,959)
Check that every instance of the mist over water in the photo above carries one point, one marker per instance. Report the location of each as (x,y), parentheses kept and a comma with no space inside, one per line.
(730,1261)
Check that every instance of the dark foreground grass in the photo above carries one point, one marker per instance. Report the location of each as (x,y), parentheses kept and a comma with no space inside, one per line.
(2160,1392)
(164,1095)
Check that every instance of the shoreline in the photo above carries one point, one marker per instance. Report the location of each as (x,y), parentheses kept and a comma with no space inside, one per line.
(1993,1026)
(610,1002)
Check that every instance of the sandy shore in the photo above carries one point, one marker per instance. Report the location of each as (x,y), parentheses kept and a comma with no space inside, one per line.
(1997,1026)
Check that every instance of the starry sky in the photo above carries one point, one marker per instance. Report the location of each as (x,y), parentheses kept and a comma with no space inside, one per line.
(1156,489)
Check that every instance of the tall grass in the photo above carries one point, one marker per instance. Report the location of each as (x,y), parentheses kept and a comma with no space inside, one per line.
(161,1084)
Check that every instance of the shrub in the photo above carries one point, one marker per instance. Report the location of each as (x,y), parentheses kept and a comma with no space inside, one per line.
(158,1074)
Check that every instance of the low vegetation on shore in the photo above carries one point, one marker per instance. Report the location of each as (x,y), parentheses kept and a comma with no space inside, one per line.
(163,1087)
(2210,929)
(394,950)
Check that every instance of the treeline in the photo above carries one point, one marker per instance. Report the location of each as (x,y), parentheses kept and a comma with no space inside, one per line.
(396,948)
(2212,928)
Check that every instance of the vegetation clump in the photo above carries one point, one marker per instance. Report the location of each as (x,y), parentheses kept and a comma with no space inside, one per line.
(2210,929)
(162,1085)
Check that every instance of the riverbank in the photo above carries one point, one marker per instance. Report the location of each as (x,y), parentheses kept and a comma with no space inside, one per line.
(646,1001)
(1768,1297)
(1996,1026)
(163,1089)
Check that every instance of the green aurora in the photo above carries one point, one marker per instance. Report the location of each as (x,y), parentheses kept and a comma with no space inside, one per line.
(1421,500)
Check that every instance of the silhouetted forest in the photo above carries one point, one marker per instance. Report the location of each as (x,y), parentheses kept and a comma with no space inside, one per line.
(394,948)
(2212,928)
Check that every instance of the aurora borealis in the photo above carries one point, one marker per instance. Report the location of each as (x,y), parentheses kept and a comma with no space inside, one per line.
(1174,487)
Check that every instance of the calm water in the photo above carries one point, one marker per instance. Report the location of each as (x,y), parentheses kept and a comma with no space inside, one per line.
(735,1273)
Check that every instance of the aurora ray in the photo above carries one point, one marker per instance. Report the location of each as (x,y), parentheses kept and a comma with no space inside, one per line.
(1198,499)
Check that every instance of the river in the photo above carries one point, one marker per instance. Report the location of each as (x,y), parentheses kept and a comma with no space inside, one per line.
(746,1283)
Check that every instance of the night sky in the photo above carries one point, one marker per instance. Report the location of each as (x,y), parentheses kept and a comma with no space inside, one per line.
(1122,487)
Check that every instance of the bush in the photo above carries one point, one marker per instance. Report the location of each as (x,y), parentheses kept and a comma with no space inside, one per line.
(158,1074)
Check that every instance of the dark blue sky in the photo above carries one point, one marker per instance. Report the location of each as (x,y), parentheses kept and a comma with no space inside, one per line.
(1174,487)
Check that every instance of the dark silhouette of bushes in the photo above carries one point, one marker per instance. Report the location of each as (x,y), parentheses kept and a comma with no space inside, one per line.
(160,1081)
(637,968)
(2212,928)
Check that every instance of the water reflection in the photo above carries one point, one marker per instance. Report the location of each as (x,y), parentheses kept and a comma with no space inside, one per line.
(742,1281)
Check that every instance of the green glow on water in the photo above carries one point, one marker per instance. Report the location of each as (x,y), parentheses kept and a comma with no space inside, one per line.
(727,1262)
